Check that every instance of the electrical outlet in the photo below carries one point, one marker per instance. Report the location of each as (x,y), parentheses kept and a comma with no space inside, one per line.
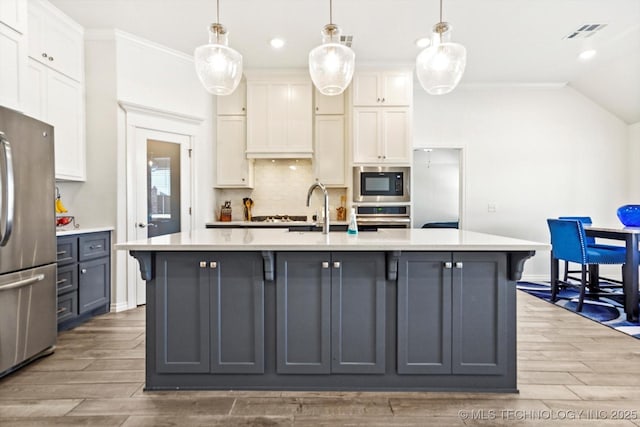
(491,207)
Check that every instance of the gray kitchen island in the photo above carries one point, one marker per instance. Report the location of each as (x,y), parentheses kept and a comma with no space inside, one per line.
(396,309)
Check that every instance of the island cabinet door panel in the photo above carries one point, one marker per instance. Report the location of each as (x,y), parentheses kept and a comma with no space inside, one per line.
(479,313)
(303,298)
(424,313)
(182,312)
(237,313)
(358,313)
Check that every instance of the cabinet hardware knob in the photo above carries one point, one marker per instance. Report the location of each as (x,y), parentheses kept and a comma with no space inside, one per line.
(60,282)
(336,264)
(448,265)
(203,264)
(458,264)
(383,99)
(384,157)
(378,100)
(317,109)
(44,54)
(51,58)
(242,179)
(83,271)
(61,310)
(213,264)
(61,252)
(325,264)
(243,109)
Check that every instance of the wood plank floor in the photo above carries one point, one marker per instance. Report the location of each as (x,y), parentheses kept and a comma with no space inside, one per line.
(571,371)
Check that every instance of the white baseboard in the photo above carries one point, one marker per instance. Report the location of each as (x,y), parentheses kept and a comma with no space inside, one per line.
(117,307)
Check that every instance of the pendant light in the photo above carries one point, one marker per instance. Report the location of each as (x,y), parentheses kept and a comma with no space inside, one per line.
(219,67)
(439,67)
(331,64)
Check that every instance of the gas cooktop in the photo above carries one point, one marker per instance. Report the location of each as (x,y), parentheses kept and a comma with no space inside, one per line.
(279,218)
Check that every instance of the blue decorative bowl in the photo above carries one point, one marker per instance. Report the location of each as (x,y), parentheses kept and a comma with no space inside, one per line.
(629,215)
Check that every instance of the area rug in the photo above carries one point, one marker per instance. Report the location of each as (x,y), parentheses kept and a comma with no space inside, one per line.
(606,310)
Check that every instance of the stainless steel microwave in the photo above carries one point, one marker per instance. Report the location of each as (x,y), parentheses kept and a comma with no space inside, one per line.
(381,184)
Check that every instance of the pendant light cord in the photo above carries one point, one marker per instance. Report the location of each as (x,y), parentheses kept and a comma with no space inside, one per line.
(331,11)
(218,10)
(440,10)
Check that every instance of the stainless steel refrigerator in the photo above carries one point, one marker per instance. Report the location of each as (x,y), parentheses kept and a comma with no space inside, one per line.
(28,325)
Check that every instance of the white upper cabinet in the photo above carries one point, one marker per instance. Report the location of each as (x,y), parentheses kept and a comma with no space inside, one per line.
(13,52)
(233,168)
(59,100)
(13,65)
(54,90)
(324,104)
(329,153)
(234,104)
(13,14)
(55,40)
(382,88)
(382,135)
(279,117)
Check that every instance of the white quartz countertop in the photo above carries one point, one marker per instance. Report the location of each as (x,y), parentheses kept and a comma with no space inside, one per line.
(61,231)
(252,239)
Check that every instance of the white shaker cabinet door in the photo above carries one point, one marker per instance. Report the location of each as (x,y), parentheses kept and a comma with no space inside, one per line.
(328,155)
(325,104)
(65,111)
(59,100)
(234,104)
(366,135)
(233,167)
(13,60)
(55,40)
(396,140)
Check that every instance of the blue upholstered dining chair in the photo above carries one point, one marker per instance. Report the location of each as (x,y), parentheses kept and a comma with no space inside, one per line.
(568,243)
(590,242)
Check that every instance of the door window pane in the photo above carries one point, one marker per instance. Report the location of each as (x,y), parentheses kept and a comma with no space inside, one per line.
(163,187)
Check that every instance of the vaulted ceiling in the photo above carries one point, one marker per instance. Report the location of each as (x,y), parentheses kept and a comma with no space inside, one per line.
(507,41)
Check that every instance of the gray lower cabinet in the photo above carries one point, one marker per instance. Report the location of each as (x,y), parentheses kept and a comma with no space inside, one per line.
(84,277)
(452,313)
(209,312)
(330,312)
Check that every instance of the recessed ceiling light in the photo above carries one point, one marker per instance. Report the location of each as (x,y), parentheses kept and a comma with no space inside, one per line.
(587,54)
(423,42)
(276,43)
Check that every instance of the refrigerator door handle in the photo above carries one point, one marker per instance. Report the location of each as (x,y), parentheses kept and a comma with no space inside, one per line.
(7,199)
(23,282)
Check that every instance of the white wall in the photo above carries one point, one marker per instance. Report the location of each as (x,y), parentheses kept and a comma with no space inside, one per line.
(533,152)
(633,160)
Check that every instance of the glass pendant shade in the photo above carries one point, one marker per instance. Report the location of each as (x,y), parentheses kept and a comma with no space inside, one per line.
(331,64)
(439,67)
(218,66)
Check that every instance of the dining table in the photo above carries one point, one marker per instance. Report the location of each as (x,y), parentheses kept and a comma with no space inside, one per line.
(630,236)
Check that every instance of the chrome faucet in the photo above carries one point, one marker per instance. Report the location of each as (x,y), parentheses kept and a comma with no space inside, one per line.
(325,208)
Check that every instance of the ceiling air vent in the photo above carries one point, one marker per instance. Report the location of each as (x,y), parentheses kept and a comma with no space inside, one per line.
(346,40)
(584,31)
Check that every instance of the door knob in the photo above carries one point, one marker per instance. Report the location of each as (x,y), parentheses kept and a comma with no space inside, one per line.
(336,264)
(143,225)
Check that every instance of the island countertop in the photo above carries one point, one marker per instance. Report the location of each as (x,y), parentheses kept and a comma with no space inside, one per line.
(235,239)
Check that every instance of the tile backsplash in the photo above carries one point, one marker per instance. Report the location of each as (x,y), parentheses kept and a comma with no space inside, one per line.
(280,188)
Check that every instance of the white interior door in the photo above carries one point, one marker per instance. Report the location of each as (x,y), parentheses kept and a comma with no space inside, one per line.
(162,188)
